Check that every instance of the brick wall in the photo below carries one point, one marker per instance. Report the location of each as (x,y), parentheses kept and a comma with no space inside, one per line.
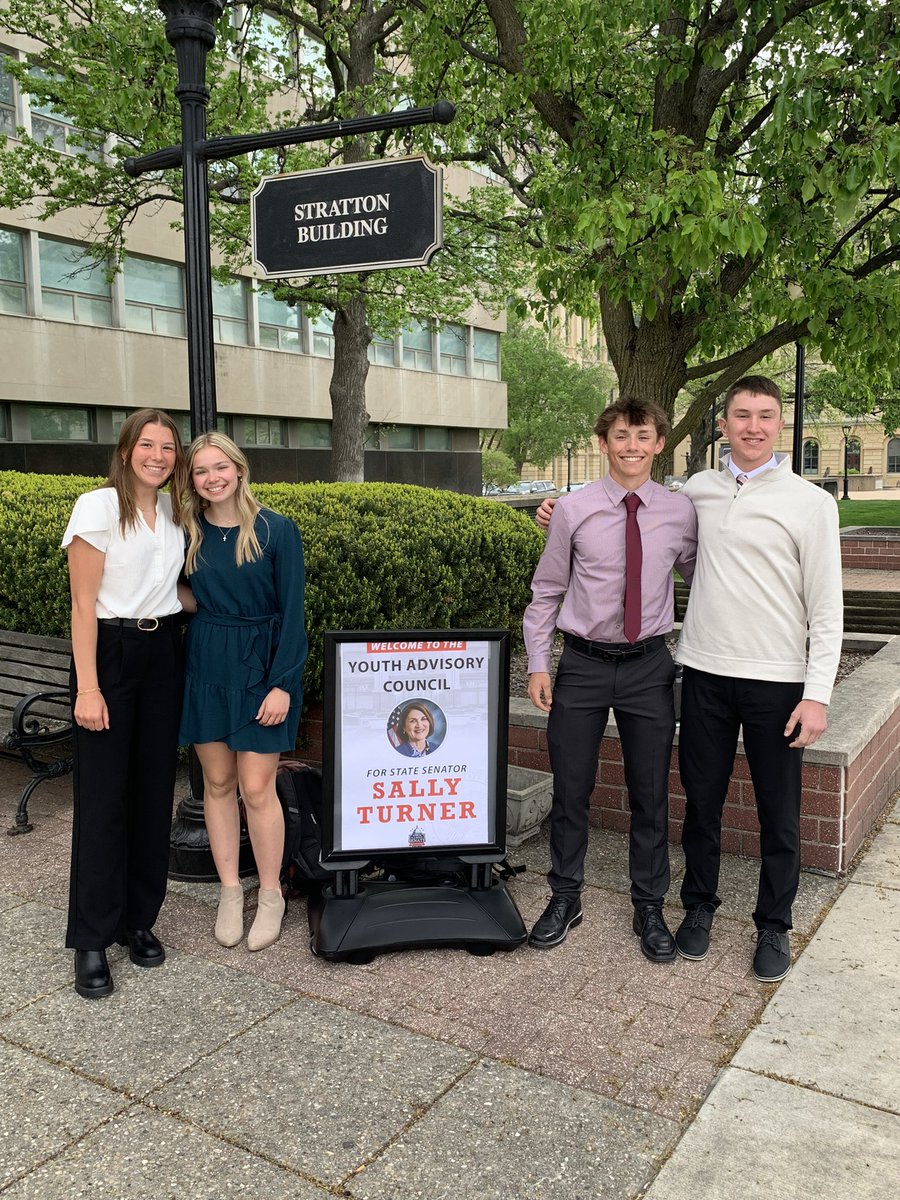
(870,553)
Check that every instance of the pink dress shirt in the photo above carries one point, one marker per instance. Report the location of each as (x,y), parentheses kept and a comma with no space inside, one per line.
(582,568)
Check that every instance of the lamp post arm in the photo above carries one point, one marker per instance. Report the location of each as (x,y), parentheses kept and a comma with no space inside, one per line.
(211,149)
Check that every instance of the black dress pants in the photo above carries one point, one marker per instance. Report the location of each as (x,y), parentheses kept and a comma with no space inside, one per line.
(124,780)
(639,692)
(713,709)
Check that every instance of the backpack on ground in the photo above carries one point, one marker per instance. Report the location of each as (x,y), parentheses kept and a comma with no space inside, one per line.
(299,788)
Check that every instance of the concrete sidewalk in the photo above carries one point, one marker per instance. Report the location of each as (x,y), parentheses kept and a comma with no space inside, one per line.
(581,1073)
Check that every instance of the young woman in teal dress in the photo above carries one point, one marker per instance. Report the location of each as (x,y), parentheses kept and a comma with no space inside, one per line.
(245,653)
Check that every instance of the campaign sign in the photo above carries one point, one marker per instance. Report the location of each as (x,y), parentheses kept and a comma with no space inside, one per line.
(363,217)
(415,742)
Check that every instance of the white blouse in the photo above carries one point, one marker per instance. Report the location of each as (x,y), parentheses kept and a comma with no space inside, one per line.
(142,568)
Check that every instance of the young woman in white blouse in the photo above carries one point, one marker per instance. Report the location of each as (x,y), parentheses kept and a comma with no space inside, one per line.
(126,552)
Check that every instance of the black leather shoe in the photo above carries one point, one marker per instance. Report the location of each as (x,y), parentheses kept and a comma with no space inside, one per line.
(657,942)
(92,977)
(144,948)
(772,959)
(692,935)
(554,923)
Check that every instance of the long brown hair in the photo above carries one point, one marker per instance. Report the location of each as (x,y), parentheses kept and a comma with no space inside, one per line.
(121,476)
(247,547)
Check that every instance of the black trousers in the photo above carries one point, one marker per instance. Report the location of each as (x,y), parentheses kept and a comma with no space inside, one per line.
(124,780)
(639,692)
(713,709)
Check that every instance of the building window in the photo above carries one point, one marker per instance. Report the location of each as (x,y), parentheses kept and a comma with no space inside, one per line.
(486,354)
(400,437)
(893,456)
(381,351)
(279,324)
(73,285)
(229,303)
(49,124)
(264,431)
(182,423)
(435,438)
(12,272)
(154,296)
(453,350)
(53,423)
(4,422)
(314,435)
(417,352)
(810,458)
(722,448)
(323,334)
(854,455)
(7,101)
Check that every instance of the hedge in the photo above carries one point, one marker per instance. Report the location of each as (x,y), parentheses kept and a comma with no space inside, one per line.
(378,556)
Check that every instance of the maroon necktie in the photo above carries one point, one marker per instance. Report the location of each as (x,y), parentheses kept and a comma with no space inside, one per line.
(634,558)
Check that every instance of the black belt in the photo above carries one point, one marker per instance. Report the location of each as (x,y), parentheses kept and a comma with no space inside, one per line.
(613,651)
(144,624)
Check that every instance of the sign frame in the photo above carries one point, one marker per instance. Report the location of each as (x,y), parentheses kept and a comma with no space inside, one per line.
(491,847)
(330,175)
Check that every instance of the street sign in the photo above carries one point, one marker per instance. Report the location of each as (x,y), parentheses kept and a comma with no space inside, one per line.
(364,217)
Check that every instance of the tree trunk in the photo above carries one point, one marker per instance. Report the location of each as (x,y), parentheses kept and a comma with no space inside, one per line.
(350,419)
(701,439)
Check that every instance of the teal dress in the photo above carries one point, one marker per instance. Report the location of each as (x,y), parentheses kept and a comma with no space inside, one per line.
(247,636)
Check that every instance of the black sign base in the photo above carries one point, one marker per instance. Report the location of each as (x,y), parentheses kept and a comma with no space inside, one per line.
(395,916)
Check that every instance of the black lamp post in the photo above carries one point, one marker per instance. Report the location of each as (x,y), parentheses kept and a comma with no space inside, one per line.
(568,445)
(847,430)
(799,397)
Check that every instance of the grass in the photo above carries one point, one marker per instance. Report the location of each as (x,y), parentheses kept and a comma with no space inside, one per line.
(869,512)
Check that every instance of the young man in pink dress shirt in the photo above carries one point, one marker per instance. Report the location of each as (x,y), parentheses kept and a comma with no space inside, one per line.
(611,661)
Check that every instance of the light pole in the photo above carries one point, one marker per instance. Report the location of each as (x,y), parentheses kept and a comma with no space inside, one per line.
(568,445)
(847,430)
(799,397)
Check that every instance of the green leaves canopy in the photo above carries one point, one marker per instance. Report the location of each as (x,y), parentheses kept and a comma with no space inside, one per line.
(679,165)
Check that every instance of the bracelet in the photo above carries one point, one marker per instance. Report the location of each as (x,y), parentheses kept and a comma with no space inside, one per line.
(86,690)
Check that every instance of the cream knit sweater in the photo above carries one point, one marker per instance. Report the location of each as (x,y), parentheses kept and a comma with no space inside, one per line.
(768,566)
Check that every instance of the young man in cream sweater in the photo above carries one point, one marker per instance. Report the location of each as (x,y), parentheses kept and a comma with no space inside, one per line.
(768,576)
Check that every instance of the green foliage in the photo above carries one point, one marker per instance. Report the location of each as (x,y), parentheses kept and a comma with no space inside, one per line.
(497,468)
(378,556)
(680,166)
(852,395)
(34,583)
(549,397)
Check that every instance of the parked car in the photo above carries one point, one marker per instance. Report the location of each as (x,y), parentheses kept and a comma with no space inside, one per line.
(542,485)
(491,489)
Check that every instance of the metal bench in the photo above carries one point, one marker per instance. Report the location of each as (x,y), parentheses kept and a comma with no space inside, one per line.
(35,710)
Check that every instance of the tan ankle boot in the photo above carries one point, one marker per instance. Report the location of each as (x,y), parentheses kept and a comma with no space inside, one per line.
(266,928)
(230,916)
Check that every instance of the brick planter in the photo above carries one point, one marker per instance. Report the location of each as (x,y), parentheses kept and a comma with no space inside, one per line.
(871,549)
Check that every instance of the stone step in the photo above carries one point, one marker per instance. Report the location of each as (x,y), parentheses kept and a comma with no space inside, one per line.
(864,612)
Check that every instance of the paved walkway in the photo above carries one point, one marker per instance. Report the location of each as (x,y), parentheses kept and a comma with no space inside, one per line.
(858,580)
(581,1073)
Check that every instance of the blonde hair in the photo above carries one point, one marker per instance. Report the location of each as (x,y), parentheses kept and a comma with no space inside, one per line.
(121,476)
(247,547)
